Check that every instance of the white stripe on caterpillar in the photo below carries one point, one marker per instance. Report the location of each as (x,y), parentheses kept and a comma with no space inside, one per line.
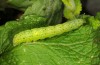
(46,32)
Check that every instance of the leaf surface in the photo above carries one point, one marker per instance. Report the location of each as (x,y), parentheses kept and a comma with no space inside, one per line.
(73,48)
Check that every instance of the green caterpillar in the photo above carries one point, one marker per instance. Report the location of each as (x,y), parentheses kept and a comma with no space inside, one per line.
(46,32)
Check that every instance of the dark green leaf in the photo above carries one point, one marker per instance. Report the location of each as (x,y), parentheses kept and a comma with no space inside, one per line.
(73,48)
